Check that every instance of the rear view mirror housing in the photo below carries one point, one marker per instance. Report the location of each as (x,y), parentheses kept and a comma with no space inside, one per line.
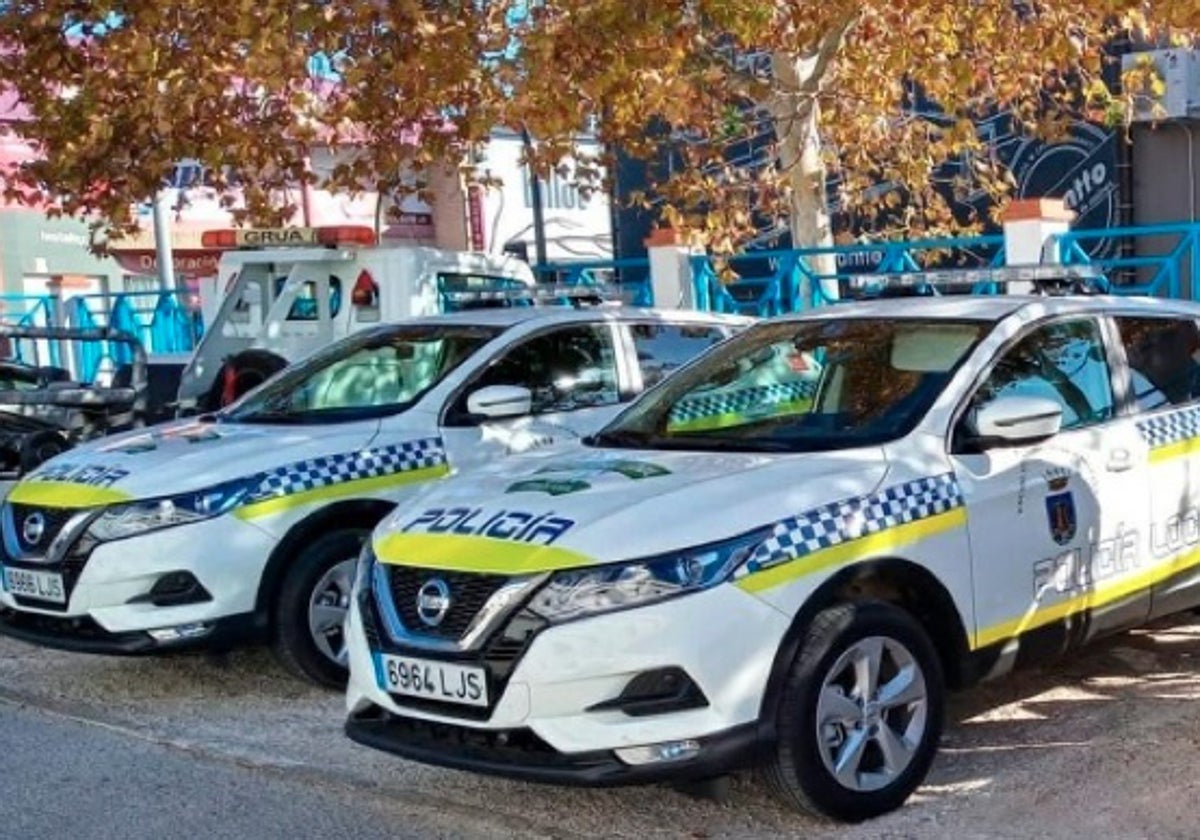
(1013,420)
(499,401)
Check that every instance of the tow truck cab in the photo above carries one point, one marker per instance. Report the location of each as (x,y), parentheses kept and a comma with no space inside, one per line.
(281,294)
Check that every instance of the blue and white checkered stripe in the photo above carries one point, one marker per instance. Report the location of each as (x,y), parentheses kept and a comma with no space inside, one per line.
(326,470)
(738,401)
(1165,429)
(850,519)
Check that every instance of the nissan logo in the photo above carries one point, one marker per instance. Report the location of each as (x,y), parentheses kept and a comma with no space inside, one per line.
(433,601)
(33,528)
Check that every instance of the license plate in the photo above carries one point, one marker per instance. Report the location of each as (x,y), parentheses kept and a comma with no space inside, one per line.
(41,586)
(433,680)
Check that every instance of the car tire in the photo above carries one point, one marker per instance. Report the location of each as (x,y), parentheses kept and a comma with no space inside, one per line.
(243,372)
(870,753)
(308,638)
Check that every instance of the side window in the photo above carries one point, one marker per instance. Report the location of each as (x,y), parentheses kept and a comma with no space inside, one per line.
(304,306)
(663,347)
(1064,362)
(567,369)
(1164,360)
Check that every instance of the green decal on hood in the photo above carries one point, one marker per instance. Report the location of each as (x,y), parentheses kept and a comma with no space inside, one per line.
(548,485)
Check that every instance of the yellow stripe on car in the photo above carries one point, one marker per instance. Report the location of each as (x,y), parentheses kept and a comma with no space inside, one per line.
(880,543)
(1179,449)
(278,504)
(65,494)
(486,555)
(1100,596)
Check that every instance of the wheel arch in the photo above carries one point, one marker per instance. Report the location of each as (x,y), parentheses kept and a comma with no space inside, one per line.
(352,513)
(892,580)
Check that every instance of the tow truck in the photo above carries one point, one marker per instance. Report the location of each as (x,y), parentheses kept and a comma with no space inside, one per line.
(282,293)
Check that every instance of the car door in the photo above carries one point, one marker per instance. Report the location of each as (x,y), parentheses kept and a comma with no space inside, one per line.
(1162,355)
(659,346)
(1055,526)
(573,373)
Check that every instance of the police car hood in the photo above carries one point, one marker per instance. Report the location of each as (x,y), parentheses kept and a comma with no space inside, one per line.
(181,457)
(610,504)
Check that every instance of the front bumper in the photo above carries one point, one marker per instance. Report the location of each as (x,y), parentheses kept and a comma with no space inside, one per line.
(108,601)
(84,635)
(560,693)
(519,754)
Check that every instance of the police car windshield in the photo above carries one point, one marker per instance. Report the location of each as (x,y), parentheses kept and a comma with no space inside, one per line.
(372,374)
(801,387)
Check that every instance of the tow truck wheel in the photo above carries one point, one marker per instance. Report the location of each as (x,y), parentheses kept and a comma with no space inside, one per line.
(245,371)
(860,716)
(311,608)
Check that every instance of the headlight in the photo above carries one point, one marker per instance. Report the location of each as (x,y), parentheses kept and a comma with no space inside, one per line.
(140,517)
(581,592)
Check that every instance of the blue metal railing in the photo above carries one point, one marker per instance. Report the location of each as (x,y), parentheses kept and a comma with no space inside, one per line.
(767,283)
(1155,260)
(157,318)
(631,277)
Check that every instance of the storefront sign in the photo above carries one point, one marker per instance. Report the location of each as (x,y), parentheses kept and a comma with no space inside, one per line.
(186,263)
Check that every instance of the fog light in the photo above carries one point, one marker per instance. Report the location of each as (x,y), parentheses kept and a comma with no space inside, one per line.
(659,753)
(181,633)
(174,589)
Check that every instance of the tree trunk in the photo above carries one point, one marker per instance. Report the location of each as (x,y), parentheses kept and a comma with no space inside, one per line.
(800,157)
(796,112)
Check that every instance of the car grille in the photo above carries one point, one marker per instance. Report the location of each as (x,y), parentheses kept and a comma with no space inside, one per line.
(500,653)
(54,519)
(468,593)
(31,554)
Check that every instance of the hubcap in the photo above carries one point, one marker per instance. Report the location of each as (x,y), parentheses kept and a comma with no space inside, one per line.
(871,714)
(327,611)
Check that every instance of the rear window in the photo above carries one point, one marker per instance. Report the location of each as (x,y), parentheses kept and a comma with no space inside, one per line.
(1162,355)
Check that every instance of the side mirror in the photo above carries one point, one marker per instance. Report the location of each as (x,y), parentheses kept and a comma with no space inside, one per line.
(497,401)
(1017,420)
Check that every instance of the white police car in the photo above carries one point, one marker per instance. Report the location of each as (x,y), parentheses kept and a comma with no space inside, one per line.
(784,553)
(247,522)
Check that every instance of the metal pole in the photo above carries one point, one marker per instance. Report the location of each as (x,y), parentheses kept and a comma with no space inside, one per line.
(306,195)
(535,196)
(162,242)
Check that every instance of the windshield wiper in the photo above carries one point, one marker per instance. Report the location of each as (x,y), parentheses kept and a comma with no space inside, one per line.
(281,417)
(618,437)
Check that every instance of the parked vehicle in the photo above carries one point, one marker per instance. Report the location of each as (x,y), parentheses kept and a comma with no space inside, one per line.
(281,294)
(783,555)
(44,412)
(245,523)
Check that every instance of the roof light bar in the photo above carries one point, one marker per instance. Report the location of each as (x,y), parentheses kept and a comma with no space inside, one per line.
(1045,279)
(535,293)
(292,237)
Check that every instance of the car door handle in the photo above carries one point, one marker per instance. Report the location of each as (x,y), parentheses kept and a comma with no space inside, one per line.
(1119,460)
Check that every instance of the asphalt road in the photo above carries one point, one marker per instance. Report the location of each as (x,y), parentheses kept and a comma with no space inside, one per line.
(63,777)
(1102,744)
